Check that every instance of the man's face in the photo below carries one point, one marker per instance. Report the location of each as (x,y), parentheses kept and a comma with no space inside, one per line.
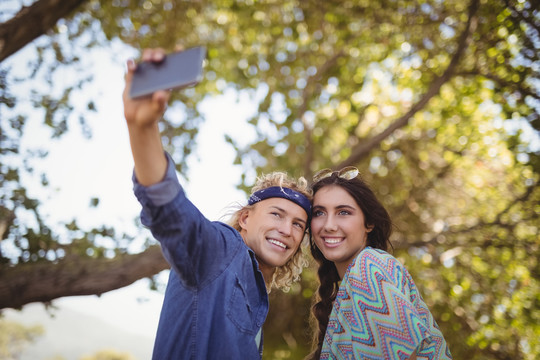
(274,229)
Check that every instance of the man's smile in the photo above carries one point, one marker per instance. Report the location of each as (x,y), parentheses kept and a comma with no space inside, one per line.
(278,243)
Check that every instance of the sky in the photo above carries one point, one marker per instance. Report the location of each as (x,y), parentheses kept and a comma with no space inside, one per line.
(79,169)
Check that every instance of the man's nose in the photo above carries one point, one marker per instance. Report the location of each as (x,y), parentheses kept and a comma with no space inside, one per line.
(286,228)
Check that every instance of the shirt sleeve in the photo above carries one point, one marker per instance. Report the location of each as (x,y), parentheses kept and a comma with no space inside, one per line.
(195,247)
(162,192)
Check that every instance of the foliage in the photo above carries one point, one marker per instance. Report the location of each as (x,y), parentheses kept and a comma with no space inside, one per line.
(436,102)
(47,89)
(14,337)
(430,98)
(109,354)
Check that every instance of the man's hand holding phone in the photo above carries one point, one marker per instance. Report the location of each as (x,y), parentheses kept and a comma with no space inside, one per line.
(148,83)
(176,70)
(147,110)
(146,94)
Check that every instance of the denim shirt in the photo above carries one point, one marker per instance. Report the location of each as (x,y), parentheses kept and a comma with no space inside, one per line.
(216,301)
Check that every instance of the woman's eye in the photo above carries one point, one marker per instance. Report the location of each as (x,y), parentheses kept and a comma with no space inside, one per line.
(344,212)
(317,213)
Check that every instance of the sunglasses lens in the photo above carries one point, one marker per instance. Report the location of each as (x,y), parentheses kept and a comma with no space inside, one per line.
(348,173)
(321,174)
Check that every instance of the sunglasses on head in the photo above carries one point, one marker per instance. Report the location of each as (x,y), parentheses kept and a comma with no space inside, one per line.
(347,173)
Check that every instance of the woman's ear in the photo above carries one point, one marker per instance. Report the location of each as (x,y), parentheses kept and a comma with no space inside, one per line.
(369,228)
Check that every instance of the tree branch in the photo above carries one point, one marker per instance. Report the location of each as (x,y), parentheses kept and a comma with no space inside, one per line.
(74,275)
(307,94)
(524,89)
(520,16)
(31,22)
(363,149)
(482,224)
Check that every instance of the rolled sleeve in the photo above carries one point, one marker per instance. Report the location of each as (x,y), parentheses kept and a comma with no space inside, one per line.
(164,191)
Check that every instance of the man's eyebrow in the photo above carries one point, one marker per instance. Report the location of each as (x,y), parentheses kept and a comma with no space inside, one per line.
(278,208)
(285,211)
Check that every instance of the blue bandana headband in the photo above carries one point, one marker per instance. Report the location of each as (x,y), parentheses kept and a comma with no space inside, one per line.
(284,193)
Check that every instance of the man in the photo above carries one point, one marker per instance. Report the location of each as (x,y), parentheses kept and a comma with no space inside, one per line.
(216,299)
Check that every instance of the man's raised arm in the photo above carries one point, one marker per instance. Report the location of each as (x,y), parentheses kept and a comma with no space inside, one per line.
(142,117)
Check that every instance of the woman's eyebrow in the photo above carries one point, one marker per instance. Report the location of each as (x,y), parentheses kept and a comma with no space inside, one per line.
(343,206)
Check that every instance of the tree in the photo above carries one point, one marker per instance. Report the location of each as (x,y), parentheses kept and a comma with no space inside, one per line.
(50,263)
(436,102)
(109,354)
(43,15)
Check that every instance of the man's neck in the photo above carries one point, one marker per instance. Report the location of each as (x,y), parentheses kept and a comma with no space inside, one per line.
(267,272)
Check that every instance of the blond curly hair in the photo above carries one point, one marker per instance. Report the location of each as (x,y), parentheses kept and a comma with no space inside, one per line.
(285,275)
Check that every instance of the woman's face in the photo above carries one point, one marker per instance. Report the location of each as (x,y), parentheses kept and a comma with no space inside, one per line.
(338,226)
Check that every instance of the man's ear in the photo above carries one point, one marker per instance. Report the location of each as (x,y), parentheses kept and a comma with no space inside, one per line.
(243,219)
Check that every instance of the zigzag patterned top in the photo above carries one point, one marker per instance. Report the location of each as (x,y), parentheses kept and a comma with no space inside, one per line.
(379,314)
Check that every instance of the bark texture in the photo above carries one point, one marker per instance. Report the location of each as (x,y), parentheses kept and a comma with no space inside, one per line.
(42,15)
(72,276)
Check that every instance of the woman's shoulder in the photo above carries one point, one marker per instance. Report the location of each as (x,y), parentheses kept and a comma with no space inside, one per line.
(374,253)
(370,256)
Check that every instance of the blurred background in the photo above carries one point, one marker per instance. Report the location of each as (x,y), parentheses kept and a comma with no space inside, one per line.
(436,102)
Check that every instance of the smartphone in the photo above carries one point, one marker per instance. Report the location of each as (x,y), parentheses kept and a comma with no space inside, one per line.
(177,70)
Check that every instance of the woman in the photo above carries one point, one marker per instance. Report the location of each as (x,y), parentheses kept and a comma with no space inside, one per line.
(377,311)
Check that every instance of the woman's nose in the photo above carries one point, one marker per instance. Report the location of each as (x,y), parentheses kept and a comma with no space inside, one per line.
(330,224)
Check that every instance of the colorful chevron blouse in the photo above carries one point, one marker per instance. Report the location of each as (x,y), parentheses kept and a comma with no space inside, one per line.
(379,314)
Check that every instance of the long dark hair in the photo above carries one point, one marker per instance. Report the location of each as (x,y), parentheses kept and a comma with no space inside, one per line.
(375,215)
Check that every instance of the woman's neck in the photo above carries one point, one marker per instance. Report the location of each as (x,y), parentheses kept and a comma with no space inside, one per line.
(341,269)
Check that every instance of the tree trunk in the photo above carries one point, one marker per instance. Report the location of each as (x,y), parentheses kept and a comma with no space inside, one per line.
(31,22)
(75,275)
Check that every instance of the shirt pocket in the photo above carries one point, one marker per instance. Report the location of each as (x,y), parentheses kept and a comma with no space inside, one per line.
(244,307)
